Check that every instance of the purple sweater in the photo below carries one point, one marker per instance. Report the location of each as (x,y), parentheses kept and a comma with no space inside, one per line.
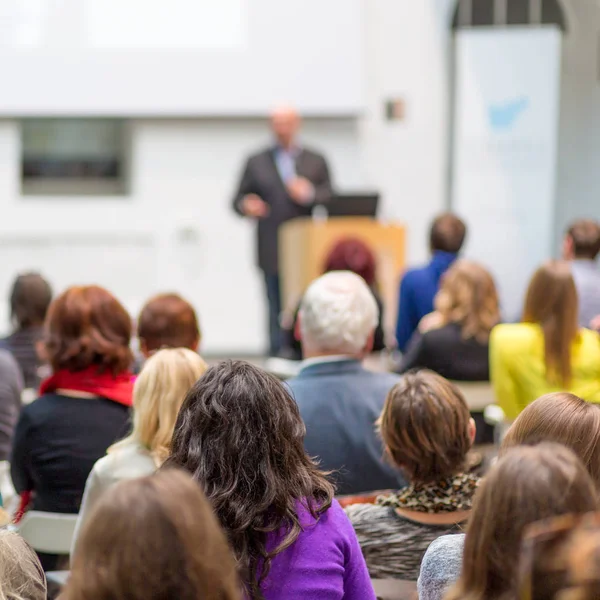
(325,562)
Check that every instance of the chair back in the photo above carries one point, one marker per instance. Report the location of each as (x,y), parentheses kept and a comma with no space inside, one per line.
(479,395)
(48,532)
(394,589)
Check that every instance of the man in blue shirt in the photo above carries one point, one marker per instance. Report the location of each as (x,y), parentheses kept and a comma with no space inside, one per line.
(419,286)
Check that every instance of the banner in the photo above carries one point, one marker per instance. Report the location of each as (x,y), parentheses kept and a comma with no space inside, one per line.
(505,149)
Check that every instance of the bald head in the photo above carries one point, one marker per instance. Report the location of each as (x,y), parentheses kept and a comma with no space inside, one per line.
(285,122)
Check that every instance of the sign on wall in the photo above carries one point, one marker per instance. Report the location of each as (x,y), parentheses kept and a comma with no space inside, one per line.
(505,149)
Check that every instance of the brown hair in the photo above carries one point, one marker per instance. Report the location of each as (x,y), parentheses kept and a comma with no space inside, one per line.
(154,538)
(527,484)
(447,233)
(468,297)
(425,427)
(88,326)
(565,419)
(585,235)
(30,298)
(168,321)
(560,559)
(352,254)
(552,303)
(21,574)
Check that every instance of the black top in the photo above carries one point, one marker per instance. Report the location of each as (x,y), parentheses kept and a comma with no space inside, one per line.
(261,177)
(445,351)
(57,441)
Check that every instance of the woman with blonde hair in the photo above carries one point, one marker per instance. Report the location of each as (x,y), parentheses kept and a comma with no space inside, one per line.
(547,352)
(154,538)
(158,394)
(453,341)
(21,574)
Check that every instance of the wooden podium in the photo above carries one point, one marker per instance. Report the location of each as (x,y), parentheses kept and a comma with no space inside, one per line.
(305,243)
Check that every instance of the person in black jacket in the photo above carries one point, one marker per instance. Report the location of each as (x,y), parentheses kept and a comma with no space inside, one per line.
(278,184)
(454,340)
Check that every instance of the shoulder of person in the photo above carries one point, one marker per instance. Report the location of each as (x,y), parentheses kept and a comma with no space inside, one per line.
(130,458)
(366,513)
(8,363)
(511,333)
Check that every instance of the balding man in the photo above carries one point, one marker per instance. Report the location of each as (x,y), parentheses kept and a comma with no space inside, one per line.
(282,182)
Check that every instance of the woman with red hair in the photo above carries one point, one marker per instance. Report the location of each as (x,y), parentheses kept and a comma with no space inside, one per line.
(83,406)
(348,254)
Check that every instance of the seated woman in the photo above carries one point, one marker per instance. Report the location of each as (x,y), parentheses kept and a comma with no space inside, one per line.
(151,539)
(454,340)
(527,484)
(21,574)
(547,352)
(158,394)
(84,406)
(240,435)
(427,431)
(349,254)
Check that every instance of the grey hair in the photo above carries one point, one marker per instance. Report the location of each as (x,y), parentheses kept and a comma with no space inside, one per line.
(21,574)
(338,313)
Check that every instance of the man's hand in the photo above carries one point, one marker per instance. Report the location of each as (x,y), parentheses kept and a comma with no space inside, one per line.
(301,190)
(254,206)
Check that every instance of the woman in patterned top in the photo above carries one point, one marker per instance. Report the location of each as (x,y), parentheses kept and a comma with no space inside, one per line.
(428,431)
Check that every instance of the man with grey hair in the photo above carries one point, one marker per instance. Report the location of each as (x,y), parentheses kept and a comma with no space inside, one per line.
(339,400)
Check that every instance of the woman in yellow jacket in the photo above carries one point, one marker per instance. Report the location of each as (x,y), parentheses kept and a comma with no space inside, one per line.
(547,352)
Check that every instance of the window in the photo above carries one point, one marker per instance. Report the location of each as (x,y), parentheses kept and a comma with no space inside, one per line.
(73,157)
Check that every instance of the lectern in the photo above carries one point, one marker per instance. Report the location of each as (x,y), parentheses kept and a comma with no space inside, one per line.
(305,243)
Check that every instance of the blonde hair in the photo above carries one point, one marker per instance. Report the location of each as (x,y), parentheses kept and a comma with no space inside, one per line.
(21,574)
(158,394)
(468,296)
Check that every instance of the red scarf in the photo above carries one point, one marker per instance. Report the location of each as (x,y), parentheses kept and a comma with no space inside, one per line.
(117,388)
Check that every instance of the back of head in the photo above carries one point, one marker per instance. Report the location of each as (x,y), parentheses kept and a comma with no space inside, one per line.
(564,419)
(158,394)
(560,559)
(240,434)
(552,303)
(527,484)
(354,255)
(447,234)
(468,296)
(425,425)
(30,298)
(153,538)
(168,321)
(21,574)
(584,236)
(338,315)
(87,326)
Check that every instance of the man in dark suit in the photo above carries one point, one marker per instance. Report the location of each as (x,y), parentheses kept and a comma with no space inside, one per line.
(280,183)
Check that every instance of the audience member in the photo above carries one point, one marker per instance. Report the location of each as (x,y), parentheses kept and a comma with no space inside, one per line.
(84,405)
(350,254)
(239,433)
(428,432)
(547,352)
(582,246)
(168,321)
(529,483)
(154,538)
(419,286)
(158,394)
(21,574)
(340,400)
(30,298)
(455,341)
(560,559)
(564,419)
(11,388)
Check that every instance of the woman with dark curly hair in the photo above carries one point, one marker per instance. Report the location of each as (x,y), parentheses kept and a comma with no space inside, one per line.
(240,435)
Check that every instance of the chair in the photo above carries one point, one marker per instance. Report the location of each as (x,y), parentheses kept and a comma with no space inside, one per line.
(394,589)
(47,532)
(479,395)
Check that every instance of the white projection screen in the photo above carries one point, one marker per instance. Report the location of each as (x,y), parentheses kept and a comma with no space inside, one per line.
(180,57)
(505,150)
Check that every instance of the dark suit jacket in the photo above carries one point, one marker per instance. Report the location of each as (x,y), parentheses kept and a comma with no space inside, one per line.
(261,177)
(340,402)
(445,351)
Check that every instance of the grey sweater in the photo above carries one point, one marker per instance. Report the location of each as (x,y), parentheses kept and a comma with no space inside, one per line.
(441,566)
(11,386)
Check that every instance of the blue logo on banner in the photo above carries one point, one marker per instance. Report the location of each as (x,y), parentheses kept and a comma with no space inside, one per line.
(504,116)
